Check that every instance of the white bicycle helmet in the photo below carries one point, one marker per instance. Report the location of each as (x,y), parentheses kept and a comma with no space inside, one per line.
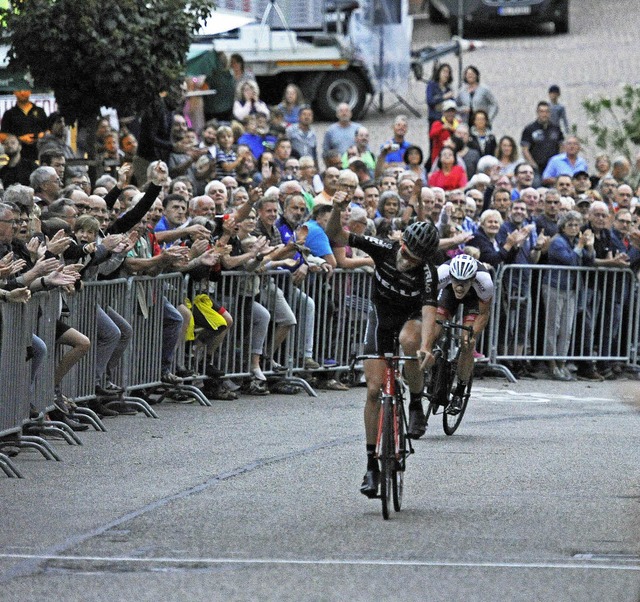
(463,267)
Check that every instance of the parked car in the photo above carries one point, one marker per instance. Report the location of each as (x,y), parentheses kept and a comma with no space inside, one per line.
(500,13)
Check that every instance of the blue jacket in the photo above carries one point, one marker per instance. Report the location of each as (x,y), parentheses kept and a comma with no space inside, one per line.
(561,252)
(435,97)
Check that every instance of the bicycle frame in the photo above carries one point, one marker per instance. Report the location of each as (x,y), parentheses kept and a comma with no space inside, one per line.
(388,390)
(444,373)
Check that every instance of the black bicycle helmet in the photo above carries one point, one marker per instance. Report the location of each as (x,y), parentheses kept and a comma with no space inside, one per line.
(421,239)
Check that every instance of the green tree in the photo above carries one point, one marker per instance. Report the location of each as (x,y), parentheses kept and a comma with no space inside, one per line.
(614,121)
(93,53)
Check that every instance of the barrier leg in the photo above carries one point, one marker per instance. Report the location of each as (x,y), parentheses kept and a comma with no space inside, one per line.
(56,427)
(195,392)
(300,382)
(9,467)
(504,371)
(88,415)
(39,444)
(142,406)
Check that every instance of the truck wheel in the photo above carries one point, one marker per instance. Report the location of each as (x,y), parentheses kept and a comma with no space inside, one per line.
(341,86)
(453,25)
(435,16)
(562,24)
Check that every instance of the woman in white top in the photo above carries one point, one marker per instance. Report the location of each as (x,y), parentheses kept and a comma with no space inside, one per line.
(248,102)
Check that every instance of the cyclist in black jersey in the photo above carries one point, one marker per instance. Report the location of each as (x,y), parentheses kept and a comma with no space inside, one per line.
(404,306)
(463,280)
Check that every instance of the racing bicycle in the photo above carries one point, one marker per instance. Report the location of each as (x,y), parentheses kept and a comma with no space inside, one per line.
(441,383)
(392,444)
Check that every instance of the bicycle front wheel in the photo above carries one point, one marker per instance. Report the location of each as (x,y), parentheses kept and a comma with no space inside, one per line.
(398,473)
(387,455)
(450,423)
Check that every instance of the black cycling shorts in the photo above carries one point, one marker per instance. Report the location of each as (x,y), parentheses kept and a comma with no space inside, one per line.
(383,326)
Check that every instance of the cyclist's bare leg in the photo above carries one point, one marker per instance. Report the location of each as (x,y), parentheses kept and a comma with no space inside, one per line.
(410,339)
(465,360)
(374,371)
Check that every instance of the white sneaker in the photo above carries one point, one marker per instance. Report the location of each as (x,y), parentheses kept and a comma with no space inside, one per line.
(258,374)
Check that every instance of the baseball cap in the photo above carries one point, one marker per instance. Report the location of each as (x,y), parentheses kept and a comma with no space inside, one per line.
(584,200)
(581,172)
(447,105)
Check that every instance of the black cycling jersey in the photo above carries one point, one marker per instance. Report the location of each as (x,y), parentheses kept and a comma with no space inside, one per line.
(405,292)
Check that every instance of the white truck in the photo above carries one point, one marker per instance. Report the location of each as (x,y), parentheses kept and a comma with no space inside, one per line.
(324,67)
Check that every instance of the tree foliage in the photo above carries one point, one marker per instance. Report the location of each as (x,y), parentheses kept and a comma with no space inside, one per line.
(614,121)
(93,53)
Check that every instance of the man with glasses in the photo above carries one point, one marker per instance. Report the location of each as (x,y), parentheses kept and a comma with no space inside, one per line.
(547,223)
(517,287)
(524,179)
(403,305)
(357,199)
(622,226)
(564,185)
(348,183)
(292,169)
(601,309)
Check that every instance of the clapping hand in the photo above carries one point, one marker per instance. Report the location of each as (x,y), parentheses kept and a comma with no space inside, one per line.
(43,266)
(199,247)
(9,266)
(59,243)
(587,238)
(19,295)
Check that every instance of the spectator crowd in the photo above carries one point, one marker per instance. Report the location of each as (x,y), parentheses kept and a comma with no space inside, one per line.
(252,190)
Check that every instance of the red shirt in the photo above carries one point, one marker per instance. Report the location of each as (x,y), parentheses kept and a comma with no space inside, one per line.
(456,178)
(438,135)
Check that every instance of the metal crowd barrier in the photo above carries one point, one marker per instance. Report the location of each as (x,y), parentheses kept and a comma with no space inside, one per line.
(17,323)
(538,313)
(25,394)
(564,313)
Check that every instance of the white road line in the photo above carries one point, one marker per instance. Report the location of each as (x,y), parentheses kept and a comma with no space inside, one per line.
(582,565)
(510,396)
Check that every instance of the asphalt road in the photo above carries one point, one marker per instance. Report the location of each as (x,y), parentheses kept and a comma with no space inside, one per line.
(534,498)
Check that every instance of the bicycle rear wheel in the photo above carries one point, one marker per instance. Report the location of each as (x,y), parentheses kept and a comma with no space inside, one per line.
(400,463)
(387,456)
(450,423)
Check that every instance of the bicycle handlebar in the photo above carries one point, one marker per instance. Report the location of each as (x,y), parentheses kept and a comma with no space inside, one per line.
(453,326)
